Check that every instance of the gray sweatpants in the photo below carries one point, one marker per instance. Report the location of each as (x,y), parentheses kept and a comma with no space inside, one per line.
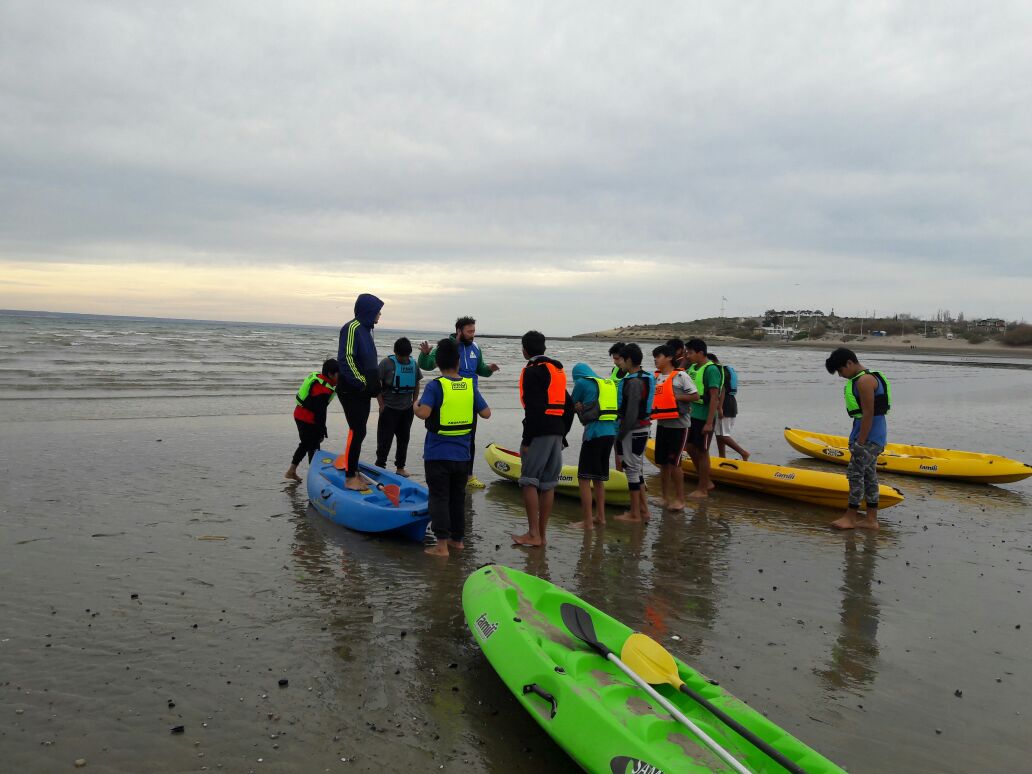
(862,472)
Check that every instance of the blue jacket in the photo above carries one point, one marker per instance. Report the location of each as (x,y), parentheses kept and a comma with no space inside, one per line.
(585,391)
(356,351)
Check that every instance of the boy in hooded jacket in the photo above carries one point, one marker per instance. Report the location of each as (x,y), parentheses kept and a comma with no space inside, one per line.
(595,400)
(359,382)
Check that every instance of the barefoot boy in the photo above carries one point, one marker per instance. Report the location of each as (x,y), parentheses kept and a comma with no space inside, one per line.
(868,399)
(636,393)
(675,394)
(548,415)
(448,405)
(707,378)
(313,398)
(728,412)
(595,401)
(400,378)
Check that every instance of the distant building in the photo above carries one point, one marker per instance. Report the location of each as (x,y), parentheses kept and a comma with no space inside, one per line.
(991,324)
(778,331)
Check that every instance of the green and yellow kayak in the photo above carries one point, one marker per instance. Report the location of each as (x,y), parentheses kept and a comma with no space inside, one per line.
(593,710)
(927,461)
(506,463)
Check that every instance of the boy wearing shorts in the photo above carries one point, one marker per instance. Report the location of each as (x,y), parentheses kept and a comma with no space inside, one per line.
(675,394)
(547,417)
(636,393)
(595,401)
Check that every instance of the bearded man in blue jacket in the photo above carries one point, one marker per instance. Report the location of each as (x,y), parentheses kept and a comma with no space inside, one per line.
(359,382)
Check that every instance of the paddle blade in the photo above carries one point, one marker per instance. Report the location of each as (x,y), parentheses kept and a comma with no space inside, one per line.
(393,493)
(650,660)
(578,621)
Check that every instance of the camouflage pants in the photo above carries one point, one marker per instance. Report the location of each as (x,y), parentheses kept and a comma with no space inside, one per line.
(862,473)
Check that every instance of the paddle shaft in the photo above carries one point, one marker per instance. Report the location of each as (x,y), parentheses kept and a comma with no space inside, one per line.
(744,732)
(676,713)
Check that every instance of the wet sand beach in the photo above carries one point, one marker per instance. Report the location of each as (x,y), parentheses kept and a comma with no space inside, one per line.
(157,572)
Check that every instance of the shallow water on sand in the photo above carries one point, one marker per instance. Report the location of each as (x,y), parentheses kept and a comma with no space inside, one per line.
(151,555)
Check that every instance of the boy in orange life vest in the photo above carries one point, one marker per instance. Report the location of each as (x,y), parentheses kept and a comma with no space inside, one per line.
(671,407)
(313,398)
(548,416)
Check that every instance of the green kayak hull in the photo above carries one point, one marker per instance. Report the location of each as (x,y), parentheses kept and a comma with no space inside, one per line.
(605,722)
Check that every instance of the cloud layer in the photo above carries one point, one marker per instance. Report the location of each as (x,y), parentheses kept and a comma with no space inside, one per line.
(571,166)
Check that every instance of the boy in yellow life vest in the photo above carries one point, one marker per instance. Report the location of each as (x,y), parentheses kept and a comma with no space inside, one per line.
(596,402)
(448,405)
(312,399)
(708,379)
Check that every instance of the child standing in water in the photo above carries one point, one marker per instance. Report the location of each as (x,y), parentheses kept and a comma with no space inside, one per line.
(313,398)
(448,405)
(595,401)
(399,378)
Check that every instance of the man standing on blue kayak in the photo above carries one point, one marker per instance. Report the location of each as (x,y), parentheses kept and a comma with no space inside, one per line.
(471,366)
(868,397)
(359,382)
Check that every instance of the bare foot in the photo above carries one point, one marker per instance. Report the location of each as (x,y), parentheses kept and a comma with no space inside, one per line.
(583,525)
(402,472)
(846,522)
(711,487)
(627,518)
(867,524)
(440,549)
(698,495)
(458,545)
(623,516)
(292,476)
(677,505)
(745,456)
(355,484)
(527,539)
(600,522)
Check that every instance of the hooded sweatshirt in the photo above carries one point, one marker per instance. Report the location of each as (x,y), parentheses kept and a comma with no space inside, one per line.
(356,351)
(585,391)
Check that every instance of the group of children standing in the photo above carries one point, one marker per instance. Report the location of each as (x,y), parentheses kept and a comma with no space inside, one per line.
(689,396)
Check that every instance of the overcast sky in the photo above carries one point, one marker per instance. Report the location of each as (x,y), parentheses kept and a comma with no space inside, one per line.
(565,166)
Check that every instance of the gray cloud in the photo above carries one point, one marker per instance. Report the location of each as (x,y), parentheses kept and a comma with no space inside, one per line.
(828,146)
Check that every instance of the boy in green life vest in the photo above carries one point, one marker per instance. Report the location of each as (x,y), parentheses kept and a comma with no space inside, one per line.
(708,379)
(596,402)
(313,399)
(868,396)
(448,405)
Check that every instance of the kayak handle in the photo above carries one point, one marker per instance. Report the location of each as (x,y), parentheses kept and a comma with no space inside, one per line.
(537,689)
(326,493)
(728,465)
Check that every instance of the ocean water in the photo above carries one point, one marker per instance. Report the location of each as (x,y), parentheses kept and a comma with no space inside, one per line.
(153,556)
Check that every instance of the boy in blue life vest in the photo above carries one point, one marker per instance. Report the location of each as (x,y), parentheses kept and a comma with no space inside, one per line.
(471,365)
(728,412)
(868,397)
(448,405)
(313,399)
(596,402)
(399,378)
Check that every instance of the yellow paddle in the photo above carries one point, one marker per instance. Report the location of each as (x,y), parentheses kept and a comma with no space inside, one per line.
(656,666)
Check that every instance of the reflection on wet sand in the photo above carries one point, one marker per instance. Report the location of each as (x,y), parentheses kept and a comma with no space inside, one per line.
(854,656)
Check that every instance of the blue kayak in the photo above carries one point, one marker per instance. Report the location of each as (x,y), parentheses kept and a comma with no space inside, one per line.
(369,510)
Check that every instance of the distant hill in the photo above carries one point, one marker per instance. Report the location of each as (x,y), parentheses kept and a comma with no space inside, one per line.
(712,327)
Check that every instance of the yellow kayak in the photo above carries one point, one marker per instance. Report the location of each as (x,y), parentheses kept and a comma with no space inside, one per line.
(916,460)
(809,486)
(506,464)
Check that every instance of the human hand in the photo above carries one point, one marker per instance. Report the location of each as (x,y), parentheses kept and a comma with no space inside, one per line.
(424,347)
(708,427)
(493,367)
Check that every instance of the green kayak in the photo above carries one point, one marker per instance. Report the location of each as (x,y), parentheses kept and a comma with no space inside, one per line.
(596,712)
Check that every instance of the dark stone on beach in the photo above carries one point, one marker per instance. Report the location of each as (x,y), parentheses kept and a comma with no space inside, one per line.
(171,704)
(403,632)
(958,693)
(283,682)
(134,596)
(177,729)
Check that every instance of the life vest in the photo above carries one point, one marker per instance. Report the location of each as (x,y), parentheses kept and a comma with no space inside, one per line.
(607,400)
(556,400)
(697,374)
(648,395)
(665,404)
(455,414)
(306,387)
(730,379)
(882,402)
(404,376)
(615,373)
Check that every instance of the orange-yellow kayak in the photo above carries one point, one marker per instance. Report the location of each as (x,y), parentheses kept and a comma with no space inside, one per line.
(916,460)
(809,486)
